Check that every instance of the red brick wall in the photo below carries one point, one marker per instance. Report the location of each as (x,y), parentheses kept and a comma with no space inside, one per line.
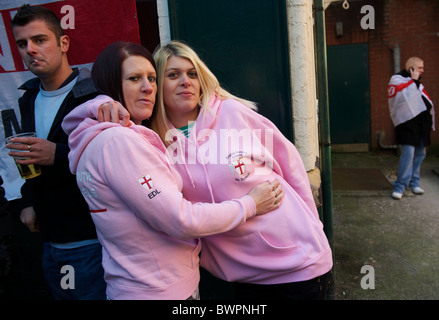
(414,26)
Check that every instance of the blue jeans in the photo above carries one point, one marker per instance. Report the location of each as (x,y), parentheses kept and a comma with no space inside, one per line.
(82,277)
(409,169)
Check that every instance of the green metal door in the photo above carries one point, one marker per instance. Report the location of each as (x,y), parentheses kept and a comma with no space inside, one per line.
(349,94)
(245,44)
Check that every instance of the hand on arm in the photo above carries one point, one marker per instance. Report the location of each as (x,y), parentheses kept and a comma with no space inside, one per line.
(113,111)
(102,108)
(267,196)
(165,209)
(29,219)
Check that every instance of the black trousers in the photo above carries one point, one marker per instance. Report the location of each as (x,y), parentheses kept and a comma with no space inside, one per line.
(314,289)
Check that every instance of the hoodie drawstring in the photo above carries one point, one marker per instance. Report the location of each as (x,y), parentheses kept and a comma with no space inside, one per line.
(187,141)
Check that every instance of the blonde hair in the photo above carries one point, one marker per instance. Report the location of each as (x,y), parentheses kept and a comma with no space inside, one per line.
(209,85)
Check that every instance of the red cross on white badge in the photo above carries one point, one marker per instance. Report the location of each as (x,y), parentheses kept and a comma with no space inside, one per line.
(146,182)
(239,166)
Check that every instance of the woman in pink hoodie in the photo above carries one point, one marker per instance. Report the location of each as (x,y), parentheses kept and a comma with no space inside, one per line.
(219,144)
(222,145)
(147,229)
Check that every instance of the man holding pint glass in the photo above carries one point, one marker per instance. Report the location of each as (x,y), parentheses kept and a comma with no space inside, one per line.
(27,171)
(51,201)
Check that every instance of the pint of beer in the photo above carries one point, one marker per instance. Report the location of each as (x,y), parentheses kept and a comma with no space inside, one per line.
(26,171)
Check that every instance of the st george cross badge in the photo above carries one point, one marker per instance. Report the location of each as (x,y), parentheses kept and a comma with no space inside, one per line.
(239,166)
(146,182)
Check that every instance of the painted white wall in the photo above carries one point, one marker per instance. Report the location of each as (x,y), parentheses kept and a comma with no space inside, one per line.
(303,81)
(163,21)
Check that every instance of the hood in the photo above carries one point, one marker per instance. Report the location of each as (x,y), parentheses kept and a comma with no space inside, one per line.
(81,137)
(207,117)
(88,129)
(205,121)
(200,132)
(81,127)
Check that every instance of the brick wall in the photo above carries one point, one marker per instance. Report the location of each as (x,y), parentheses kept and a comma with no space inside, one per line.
(414,26)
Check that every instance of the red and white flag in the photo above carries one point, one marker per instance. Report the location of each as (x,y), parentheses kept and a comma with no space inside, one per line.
(91,26)
(405,99)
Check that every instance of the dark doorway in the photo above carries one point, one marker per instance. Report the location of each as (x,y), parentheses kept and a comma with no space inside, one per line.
(245,44)
(349,94)
(148,24)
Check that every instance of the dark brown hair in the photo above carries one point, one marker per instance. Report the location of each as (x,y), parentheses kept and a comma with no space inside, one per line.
(27,13)
(107,69)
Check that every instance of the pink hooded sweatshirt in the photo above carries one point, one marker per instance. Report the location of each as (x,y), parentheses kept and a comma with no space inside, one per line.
(231,148)
(144,224)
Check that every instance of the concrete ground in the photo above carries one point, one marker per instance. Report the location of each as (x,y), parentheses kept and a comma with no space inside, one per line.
(397,238)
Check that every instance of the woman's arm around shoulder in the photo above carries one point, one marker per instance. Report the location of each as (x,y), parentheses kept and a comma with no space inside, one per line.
(88,109)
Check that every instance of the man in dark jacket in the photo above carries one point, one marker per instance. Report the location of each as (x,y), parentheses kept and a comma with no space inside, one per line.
(52,202)
(6,239)
(412,114)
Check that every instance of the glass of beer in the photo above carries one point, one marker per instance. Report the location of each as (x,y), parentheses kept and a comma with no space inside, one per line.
(26,171)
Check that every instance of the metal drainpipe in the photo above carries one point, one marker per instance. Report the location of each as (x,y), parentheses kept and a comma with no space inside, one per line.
(322,94)
(325,138)
(396,58)
(163,21)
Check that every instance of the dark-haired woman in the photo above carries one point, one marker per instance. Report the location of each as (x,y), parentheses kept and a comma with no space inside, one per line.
(149,232)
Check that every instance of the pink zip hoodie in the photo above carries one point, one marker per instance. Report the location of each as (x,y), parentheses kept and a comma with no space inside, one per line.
(144,224)
(230,149)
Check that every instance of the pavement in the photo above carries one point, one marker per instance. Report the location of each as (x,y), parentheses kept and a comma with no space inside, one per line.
(384,249)
(395,241)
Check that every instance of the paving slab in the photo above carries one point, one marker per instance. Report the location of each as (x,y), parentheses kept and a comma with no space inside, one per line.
(390,244)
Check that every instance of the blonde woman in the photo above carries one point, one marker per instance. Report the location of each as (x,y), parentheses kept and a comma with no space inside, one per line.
(225,148)
(221,147)
(149,232)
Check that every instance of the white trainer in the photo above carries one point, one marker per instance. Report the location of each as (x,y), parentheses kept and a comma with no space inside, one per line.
(418,190)
(397,195)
